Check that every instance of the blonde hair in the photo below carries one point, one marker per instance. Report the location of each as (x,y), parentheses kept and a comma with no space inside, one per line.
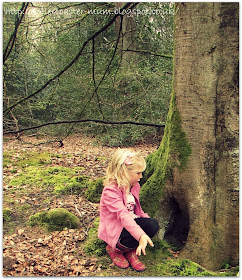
(123,162)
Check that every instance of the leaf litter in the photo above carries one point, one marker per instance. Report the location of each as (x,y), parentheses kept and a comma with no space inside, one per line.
(34,252)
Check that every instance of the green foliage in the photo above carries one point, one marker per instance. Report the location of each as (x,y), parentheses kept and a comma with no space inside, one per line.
(54,219)
(94,245)
(6,215)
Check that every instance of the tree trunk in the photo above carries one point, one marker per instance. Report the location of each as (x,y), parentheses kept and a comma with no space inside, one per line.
(197,190)
(127,40)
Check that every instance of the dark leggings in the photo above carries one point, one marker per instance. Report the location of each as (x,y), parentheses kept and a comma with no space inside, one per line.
(149,226)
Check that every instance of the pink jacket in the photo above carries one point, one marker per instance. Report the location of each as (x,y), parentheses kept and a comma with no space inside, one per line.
(114,215)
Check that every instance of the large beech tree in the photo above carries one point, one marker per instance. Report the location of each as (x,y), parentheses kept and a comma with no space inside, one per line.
(192,180)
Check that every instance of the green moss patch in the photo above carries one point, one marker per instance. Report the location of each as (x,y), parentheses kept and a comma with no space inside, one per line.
(61,180)
(90,189)
(94,245)
(54,219)
(6,215)
(53,177)
(177,267)
(25,158)
(73,185)
(94,190)
(159,259)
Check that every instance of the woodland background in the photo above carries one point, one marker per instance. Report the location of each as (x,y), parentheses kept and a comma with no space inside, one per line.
(99,84)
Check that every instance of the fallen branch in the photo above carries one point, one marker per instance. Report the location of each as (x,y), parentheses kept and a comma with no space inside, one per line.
(83,121)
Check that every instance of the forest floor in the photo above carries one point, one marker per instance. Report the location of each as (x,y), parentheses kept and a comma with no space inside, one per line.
(32,251)
(29,251)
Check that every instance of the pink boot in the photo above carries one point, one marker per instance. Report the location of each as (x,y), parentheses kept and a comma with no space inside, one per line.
(134,261)
(117,257)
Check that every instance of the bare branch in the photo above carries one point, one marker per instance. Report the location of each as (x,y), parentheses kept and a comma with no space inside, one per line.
(73,61)
(83,121)
(151,53)
(12,39)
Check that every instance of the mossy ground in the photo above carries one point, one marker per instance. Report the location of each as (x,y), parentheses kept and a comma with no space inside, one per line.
(30,186)
(32,182)
(64,180)
(159,260)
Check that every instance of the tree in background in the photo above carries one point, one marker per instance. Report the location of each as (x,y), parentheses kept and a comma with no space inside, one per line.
(192,181)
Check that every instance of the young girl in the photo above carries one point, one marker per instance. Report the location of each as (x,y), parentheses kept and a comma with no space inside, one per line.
(123,225)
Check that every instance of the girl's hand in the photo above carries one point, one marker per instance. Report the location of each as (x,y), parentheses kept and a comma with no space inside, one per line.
(143,241)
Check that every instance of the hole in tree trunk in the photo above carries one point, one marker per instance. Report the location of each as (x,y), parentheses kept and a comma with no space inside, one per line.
(178,228)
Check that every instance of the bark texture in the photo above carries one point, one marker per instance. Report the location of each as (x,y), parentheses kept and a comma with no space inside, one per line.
(199,201)
(207,96)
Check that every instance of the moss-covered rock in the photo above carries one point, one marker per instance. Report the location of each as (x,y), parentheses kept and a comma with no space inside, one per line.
(6,215)
(94,190)
(94,245)
(76,185)
(55,219)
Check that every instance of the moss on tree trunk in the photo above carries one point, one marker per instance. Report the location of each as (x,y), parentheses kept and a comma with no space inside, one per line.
(174,151)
